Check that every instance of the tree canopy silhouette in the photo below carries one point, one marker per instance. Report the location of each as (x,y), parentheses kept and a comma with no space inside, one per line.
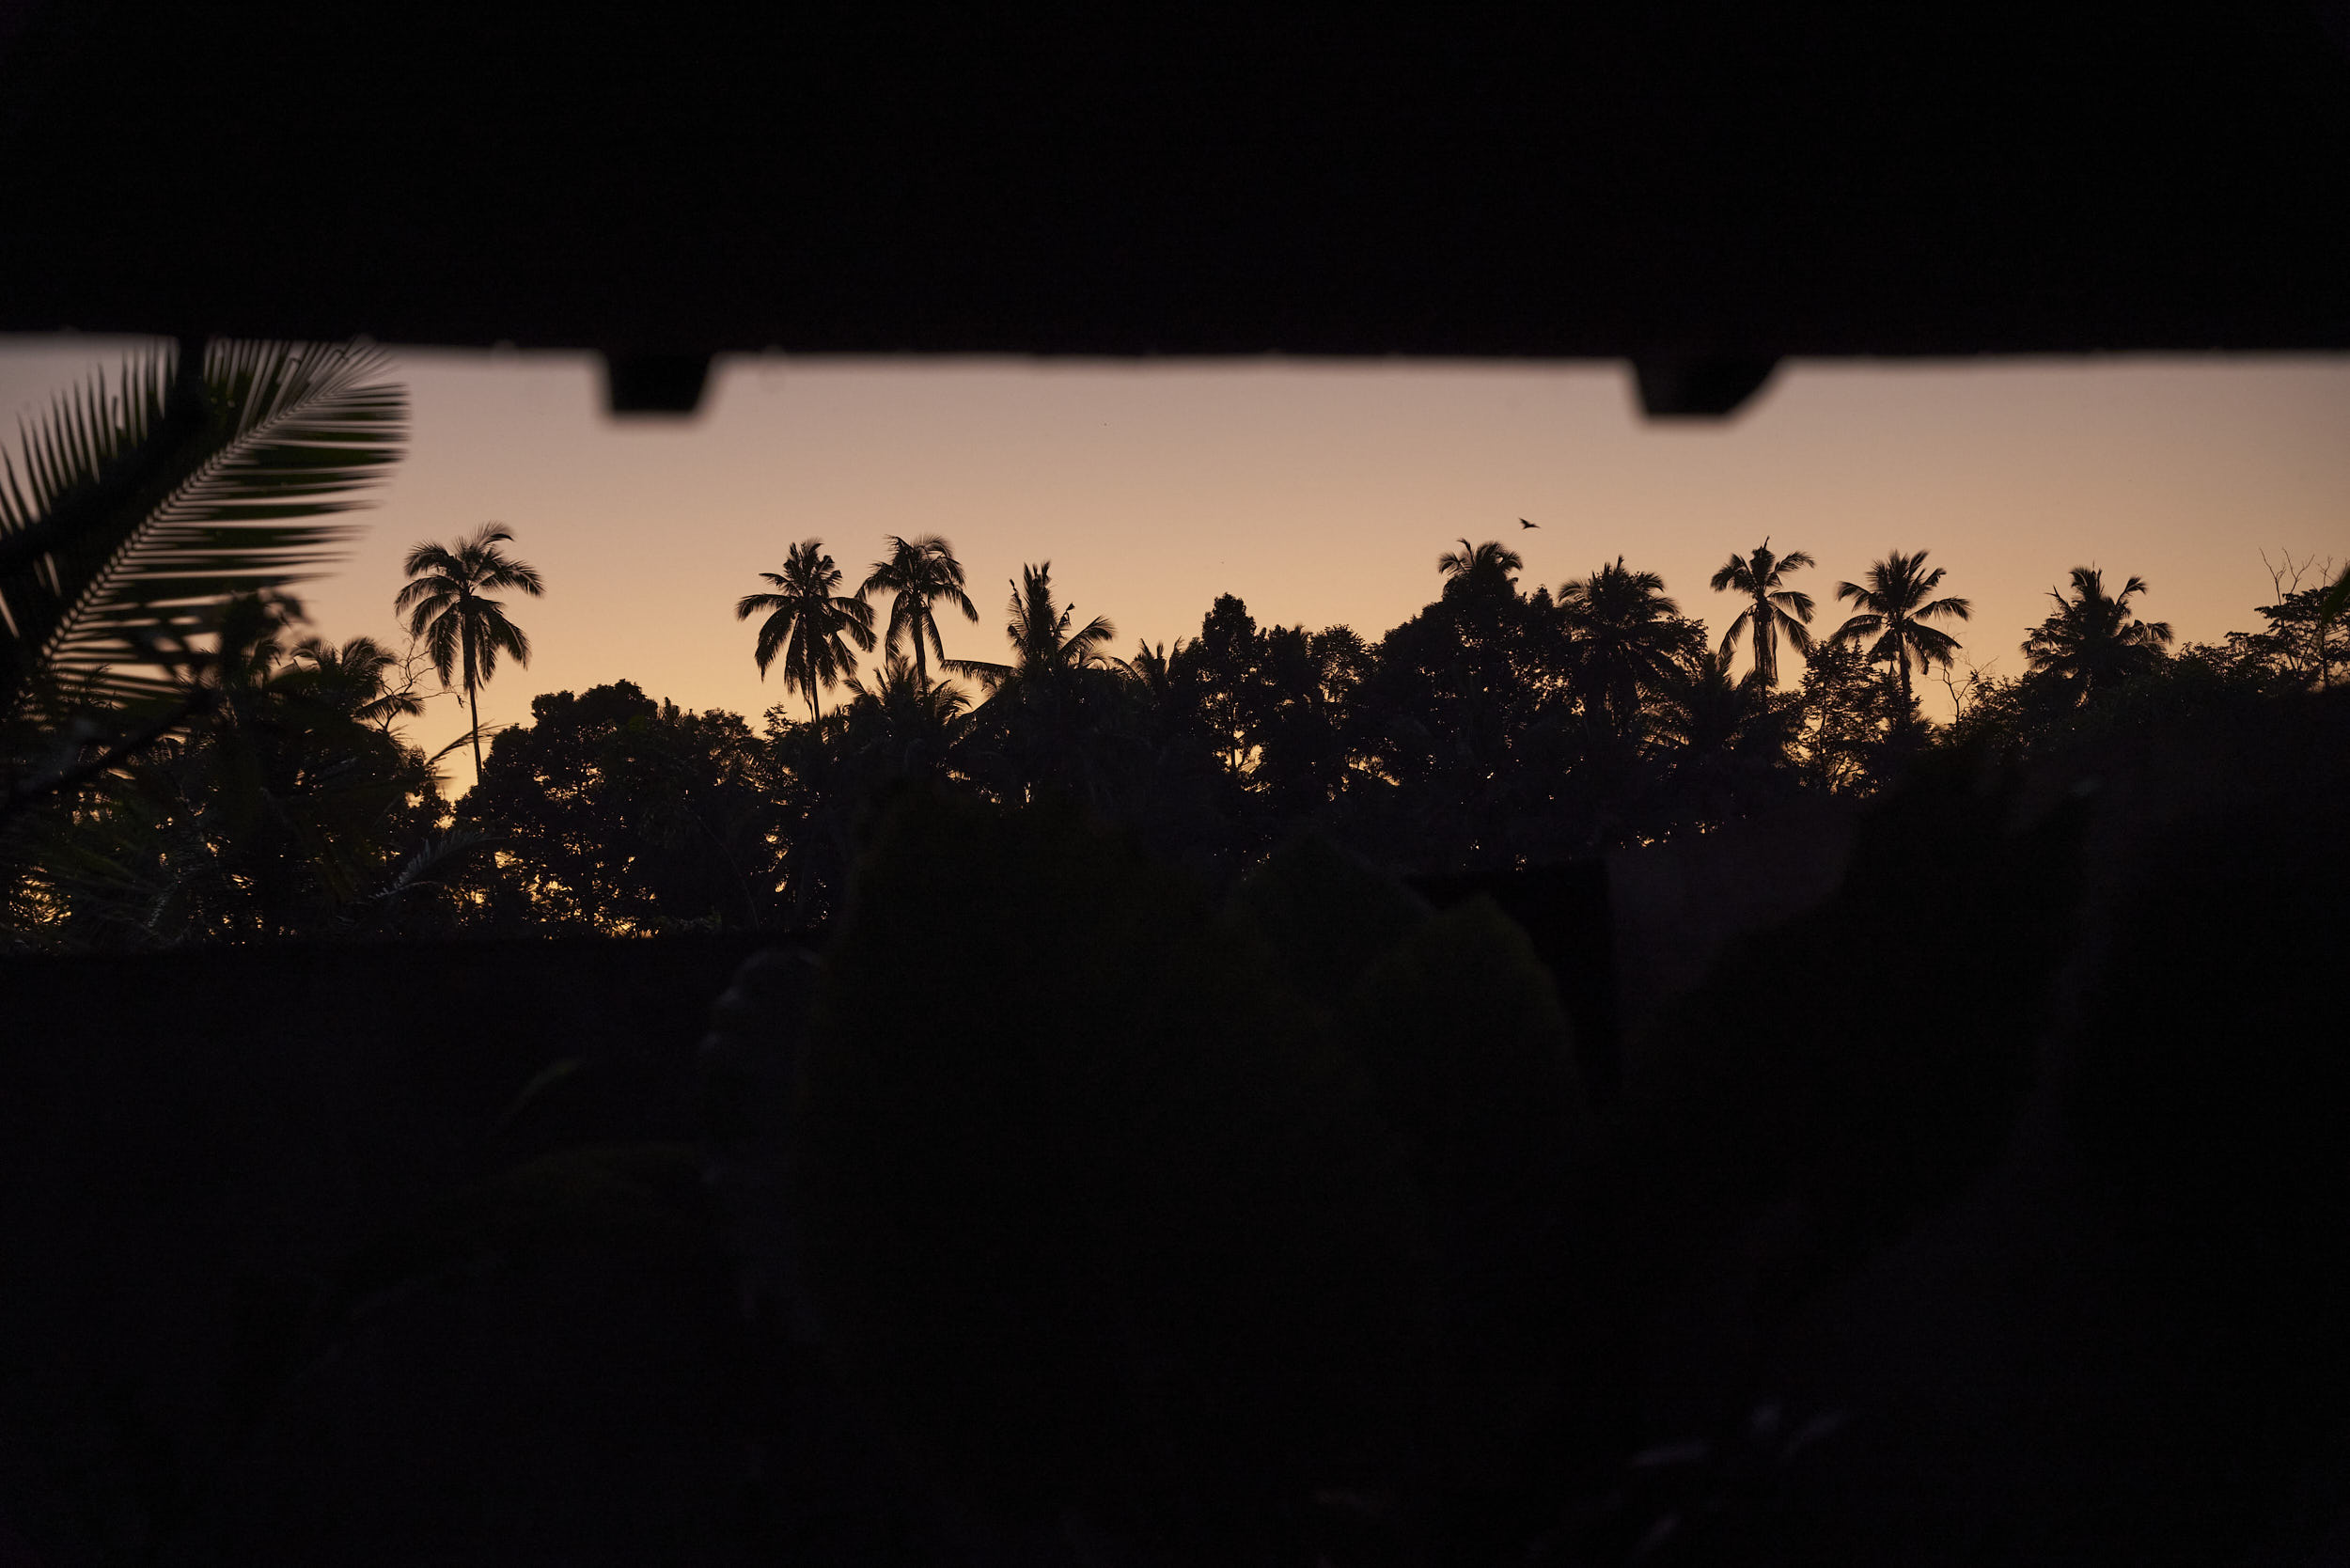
(1044,638)
(1627,638)
(354,676)
(1490,563)
(2093,639)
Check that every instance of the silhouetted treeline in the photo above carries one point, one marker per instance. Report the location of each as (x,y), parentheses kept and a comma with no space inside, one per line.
(1500,727)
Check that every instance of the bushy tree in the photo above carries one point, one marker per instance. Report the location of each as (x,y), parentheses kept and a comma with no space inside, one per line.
(615,814)
(1850,719)
(2306,631)
(1092,1216)
(281,809)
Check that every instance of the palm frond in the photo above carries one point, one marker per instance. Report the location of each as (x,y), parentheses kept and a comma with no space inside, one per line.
(1737,627)
(1795,600)
(195,475)
(1078,647)
(988,675)
(1856,626)
(2330,606)
(1934,645)
(424,869)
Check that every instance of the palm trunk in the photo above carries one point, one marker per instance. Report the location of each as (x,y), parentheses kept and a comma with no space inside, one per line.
(472,684)
(1766,644)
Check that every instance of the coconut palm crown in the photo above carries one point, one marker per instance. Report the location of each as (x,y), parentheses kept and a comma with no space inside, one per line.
(1628,639)
(2094,640)
(906,723)
(1892,606)
(1491,561)
(809,621)
(1773,609)
(919,573)
(463,629)
(354,678)
(1045,639)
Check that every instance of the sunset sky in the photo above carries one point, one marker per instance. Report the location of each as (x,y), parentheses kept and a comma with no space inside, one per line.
(1317,492)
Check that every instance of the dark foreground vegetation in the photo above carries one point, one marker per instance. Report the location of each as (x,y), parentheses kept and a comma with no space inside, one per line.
(1135,1223)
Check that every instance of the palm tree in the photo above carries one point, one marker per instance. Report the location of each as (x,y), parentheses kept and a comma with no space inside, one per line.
(1154,674)
(1053,714)
(1491,561)
(1891,606)
(461,628)
(1045,642)
(1774,608)
(2092,641)
(1627,639)
(905,723)
(810,622)
(1151,669)
(918,574)
(1728,736)
(137,508)
(1704,706)
(352,679)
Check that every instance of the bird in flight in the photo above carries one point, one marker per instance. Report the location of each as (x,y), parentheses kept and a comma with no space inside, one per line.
(1524,523)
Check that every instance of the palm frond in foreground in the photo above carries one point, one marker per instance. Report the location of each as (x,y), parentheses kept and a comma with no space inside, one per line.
(197,474)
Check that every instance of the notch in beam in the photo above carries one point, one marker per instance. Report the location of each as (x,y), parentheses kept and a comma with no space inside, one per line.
(1699,386)
(670,383)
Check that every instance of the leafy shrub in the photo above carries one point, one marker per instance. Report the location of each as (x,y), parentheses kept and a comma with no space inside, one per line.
(1458,1027)
(1091,1213)
(1883,1100)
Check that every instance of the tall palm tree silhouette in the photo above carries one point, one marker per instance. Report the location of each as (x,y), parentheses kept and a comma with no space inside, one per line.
(919,573)
(811,620)
(1892,605)
(2092,641)
(460,626)
(1628,639)
(1773,608)
(1045,641)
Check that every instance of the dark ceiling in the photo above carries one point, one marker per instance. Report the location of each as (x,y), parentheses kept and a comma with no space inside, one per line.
(1699,197)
